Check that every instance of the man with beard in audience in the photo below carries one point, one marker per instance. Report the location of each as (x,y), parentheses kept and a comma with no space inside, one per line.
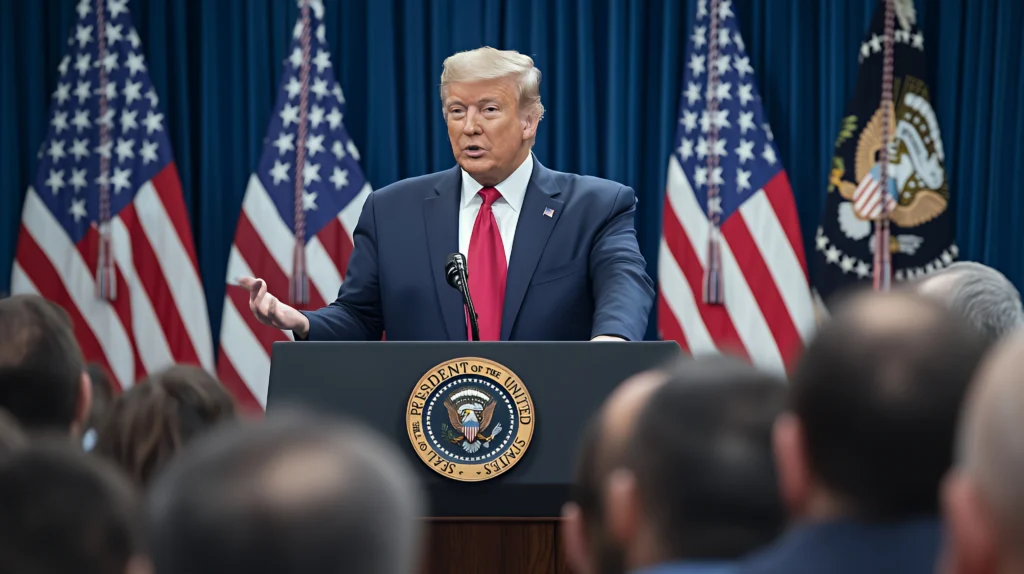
(869,436)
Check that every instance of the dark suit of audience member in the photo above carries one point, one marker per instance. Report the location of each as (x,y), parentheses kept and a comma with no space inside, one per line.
(63,511)
(43,382)
(293,495)
(676,473)
(862,453)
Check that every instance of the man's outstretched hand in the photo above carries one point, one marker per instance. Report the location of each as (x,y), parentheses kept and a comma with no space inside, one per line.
(269,310)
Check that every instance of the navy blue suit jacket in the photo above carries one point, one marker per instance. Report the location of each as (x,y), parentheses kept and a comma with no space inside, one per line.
(850,547)
(573,275)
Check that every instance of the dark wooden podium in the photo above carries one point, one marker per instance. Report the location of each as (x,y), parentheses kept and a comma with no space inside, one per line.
(508,524)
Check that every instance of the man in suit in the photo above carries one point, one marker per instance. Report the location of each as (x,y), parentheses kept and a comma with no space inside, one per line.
(862,452)
(984,494)
(551,256)
(677,476)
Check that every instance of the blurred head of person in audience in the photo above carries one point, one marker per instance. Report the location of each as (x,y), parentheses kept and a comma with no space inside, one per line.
(589,548)
(979,293)
(984,494)
(690,482)
(869,435)
(297,494)
(149,423)
(64,511)
(43,381)
(874,405)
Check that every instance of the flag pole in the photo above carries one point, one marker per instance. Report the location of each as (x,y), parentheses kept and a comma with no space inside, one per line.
(106,273)
(299,289)
(883,255)
(714,294)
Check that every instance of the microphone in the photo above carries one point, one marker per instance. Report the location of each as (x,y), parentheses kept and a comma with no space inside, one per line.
(458,277)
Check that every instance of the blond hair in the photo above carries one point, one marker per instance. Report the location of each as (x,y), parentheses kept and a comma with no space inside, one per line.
(490,64)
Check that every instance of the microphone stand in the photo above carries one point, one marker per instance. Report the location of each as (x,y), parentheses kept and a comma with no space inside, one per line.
(460,264)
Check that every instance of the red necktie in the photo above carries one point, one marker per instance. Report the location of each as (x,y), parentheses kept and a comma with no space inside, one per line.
(487,269)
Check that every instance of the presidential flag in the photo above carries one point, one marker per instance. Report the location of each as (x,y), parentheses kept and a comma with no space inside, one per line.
(732,274)
(104,230)
(916,196)
(300,209)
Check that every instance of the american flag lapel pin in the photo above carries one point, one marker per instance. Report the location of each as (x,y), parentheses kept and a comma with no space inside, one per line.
(548,212)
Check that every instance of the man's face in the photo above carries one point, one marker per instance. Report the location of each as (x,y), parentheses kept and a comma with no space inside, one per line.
(489,135)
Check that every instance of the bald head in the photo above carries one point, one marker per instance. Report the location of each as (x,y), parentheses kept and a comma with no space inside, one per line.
(620,411)
(981,294)
(606,437)
(877,394)
(297,495)
(601,449)
(991,449)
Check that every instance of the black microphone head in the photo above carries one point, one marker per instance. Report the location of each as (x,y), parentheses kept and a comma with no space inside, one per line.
(451,270)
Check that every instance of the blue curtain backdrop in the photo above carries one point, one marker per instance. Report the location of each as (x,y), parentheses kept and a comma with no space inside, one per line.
(611,79)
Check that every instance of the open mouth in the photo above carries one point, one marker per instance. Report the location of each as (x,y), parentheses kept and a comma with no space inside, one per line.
(475,151)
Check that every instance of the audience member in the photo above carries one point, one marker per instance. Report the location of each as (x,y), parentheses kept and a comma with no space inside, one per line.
(295,495)
(588,547)
(981,294)
(64,511)
(874,403)
(984,496)
(43,382)
(687,483)
(148,424)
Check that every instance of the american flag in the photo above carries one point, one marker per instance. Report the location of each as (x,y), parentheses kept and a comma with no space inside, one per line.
(725,168)
(306,140)
(104,231)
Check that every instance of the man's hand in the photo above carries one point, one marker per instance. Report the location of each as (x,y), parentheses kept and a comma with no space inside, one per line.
(271,311)
(607,338)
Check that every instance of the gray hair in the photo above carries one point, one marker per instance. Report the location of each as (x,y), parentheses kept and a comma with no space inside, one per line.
(981,294)
(490,64)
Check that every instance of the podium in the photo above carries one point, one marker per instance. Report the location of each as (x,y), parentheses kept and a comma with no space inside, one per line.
(507,523)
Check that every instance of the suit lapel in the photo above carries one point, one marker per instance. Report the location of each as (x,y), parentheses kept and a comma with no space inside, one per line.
(532,232)
(441,216)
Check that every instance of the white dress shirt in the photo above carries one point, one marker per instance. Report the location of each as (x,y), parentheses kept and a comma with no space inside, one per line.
(506,209)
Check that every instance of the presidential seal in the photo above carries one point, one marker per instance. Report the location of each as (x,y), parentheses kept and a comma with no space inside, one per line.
(470,419)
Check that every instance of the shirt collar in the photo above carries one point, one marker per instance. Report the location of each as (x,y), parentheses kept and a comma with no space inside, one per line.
(513,189)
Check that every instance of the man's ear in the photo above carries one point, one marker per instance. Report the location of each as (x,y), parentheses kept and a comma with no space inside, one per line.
(971,542)
(791,463)
(574,539)
(529,122)
(623,503)
(83,405)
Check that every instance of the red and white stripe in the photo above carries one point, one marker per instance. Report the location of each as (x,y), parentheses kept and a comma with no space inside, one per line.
(264,247)
(867,198)
(768,313)
(159,317)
